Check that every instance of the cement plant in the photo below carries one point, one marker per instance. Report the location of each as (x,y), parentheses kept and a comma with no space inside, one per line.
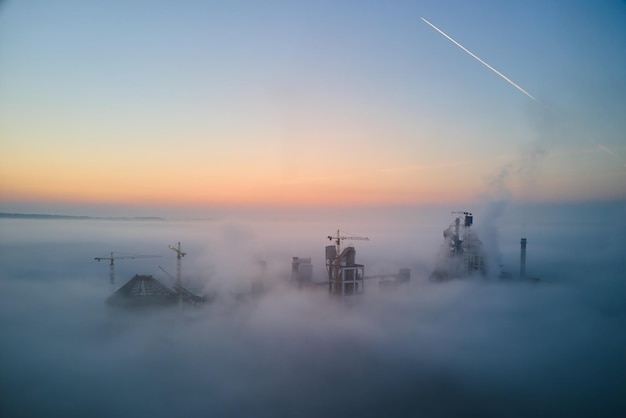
(461,256)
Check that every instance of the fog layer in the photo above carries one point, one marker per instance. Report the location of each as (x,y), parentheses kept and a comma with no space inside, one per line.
(467,347)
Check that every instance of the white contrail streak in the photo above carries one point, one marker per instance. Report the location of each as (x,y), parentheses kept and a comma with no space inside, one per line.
(608,151)
(479,60)
(605,149)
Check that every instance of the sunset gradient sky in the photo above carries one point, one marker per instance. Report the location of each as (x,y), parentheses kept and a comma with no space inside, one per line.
(309,103)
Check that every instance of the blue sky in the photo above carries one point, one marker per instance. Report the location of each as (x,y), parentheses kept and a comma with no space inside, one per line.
(276,102)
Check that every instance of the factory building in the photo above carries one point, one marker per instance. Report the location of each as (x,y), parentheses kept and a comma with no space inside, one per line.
(461,253)
(345,276)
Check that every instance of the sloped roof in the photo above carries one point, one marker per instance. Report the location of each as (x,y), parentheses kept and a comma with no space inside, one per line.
(144,285)
(188,296)
(143,290)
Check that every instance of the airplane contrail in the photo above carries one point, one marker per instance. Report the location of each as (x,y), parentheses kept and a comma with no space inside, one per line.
(479,60)
(605,149)
(608,151)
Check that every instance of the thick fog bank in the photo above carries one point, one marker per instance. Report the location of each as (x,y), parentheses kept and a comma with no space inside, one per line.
(468,347)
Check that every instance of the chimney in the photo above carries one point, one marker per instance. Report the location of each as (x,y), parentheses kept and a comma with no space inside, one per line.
(522,259)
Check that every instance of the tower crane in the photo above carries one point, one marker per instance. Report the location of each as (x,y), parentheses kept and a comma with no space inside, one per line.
(179,289)
(179,255)
(168,274)
(172,278)
(338,238)
(183,292)
(120,257)
(337,262)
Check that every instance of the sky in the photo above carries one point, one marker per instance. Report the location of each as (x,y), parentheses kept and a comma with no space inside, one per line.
(197,104)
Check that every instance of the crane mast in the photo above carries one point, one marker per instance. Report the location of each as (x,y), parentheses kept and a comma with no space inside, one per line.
(179,255)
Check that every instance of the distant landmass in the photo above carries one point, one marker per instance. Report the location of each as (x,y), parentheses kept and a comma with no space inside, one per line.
(45,216)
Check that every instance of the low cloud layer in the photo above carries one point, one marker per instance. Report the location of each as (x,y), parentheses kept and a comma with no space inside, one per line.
(461,348)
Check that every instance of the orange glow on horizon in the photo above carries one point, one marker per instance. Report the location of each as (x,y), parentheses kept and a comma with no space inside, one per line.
(126,181)
(236,192)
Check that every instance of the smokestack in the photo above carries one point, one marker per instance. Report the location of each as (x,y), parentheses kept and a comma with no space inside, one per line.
(295,267)
(522,259)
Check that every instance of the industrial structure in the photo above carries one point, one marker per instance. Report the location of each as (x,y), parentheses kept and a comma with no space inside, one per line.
(145,290)
(179,256)
(345,277)
(522,259)
(184,294)
(461,253)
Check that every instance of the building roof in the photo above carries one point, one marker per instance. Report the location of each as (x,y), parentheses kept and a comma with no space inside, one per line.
(143,290)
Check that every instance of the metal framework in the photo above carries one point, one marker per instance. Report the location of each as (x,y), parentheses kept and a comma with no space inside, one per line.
(345,277)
